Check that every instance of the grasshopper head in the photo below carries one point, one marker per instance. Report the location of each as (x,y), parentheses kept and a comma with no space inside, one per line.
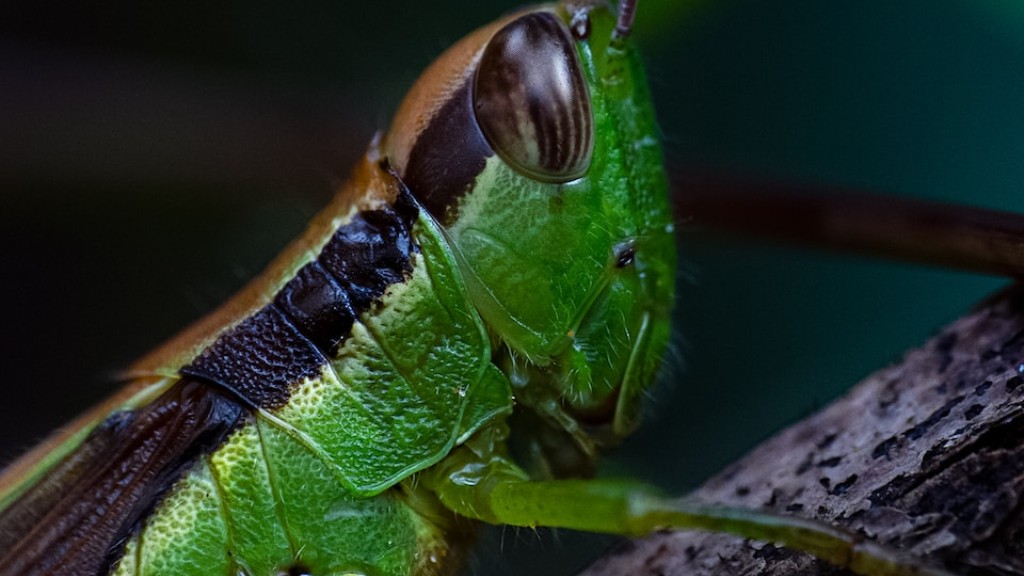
(533,144)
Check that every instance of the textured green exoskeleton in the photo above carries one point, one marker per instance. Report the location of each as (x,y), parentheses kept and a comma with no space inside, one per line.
(500,268)
(544,278)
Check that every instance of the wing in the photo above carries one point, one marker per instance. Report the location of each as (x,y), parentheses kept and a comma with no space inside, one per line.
(73,520)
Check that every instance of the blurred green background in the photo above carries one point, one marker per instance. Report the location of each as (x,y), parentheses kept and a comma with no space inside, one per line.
(153,157)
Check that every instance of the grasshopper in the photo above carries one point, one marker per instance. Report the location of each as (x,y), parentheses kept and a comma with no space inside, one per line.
(515,366)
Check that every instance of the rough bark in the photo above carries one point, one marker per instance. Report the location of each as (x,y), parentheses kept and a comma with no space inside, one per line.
(926,455)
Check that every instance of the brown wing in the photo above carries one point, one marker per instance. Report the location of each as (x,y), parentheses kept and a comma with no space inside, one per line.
(75,520)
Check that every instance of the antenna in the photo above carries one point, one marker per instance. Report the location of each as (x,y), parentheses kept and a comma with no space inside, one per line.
(627,11)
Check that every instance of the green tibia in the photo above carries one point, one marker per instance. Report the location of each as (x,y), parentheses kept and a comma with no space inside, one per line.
(577,279)
(479,481)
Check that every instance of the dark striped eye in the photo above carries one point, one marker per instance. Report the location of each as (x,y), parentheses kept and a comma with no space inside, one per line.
(531,100)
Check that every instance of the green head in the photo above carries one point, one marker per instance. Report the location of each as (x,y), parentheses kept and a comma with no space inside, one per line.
(533,143)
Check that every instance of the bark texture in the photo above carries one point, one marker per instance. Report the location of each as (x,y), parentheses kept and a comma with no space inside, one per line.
(926,455)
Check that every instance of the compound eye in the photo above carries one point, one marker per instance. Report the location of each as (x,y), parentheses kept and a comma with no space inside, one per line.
(531,100)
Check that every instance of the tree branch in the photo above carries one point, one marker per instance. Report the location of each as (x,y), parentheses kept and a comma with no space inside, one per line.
(926,455)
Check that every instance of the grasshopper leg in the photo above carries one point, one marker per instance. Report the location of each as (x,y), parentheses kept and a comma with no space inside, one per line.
(493,489)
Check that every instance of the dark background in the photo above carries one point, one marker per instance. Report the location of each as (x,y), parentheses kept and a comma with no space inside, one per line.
(153,158)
